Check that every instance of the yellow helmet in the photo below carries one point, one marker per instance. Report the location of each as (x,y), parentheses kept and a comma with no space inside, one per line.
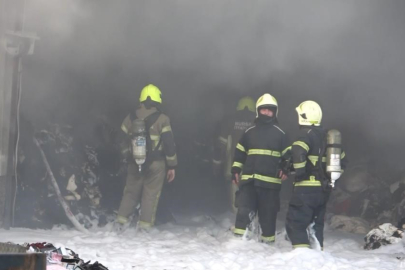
(309,113)
(266,100)
(246,102)
(152,92)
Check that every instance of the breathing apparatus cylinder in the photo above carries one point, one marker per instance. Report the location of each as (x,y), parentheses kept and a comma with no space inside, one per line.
(333,154)
(139,142)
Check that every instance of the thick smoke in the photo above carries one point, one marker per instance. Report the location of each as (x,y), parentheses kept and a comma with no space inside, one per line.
(187,47)
(94,56)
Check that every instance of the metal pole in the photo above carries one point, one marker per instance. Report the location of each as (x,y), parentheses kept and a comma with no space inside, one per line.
(5,90)
(9,83)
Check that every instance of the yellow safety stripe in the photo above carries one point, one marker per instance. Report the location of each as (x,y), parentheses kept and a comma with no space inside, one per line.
(239,231)
(302,144)
(285,150)
(166,129)
(172,158)
(144,224)
(308,183)
(268,238)
(240,147)
(124,128)
(300,165)
(301,246)
(314,159)
(155,205)
(223,140)
(262,178)
(264,152)
(156,139)
(122,220)
(237,164)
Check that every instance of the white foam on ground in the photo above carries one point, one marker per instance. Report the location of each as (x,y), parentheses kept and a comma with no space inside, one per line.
(205,243)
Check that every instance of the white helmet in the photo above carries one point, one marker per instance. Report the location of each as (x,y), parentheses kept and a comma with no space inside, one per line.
(309,113)
(266,100)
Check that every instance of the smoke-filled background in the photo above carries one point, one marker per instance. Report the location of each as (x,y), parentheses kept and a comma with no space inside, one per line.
(95,56)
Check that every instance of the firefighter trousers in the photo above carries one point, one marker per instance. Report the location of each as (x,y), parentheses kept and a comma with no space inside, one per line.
(305,209)
(263,201)
(144,188)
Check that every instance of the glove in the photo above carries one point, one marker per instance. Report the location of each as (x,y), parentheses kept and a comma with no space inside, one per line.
(235,178)
(286,166)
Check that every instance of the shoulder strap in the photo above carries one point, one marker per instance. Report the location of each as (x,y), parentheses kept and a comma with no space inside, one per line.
(321,154)
(151,119)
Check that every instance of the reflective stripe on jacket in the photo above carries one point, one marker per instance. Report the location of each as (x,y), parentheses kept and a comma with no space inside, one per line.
(305,153)
(259,152)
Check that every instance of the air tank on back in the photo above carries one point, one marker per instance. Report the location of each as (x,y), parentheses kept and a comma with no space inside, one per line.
(333,155)
(139,142)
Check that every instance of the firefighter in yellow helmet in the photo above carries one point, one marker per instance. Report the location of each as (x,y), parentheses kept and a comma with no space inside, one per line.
(311,184)
(232,129)
(144,187)
(258,169)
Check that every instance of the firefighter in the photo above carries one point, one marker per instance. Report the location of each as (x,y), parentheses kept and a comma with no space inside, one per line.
(232,130)
(311,186)
(260,155)
(145,187)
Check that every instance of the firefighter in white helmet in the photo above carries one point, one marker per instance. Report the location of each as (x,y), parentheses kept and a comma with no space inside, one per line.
(258,170)
(311,184)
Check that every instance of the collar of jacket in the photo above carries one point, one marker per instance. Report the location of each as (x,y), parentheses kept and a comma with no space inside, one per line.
(150,109)
(316,129)
(264,120)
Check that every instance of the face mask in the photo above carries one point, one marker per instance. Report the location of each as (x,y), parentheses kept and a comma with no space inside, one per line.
(265,119)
